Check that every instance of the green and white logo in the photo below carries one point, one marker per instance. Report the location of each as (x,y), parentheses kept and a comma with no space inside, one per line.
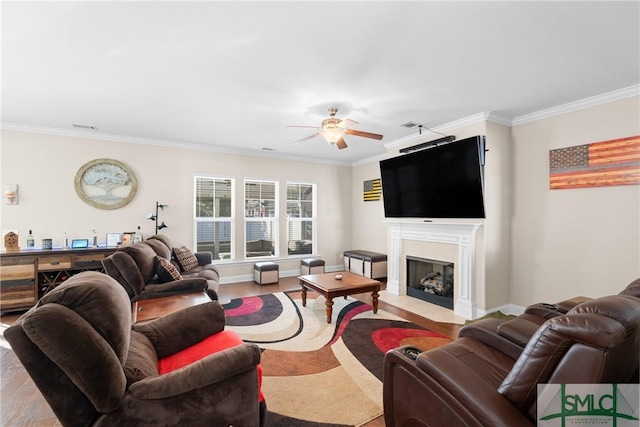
(572,405)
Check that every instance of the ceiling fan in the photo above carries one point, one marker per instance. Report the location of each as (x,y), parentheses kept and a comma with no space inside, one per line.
(333,130)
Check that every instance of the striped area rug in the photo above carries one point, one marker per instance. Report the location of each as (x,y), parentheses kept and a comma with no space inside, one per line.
(320,374)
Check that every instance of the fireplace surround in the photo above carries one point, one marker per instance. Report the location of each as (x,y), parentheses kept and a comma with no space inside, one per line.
(449,242)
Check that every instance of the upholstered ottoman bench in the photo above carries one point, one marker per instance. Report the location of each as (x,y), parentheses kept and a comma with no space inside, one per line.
(366,263)
(311,266)
(266,272)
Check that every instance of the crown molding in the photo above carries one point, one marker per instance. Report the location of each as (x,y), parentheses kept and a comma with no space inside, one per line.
(615,95)
(490,116)
(496,118)
(160,143)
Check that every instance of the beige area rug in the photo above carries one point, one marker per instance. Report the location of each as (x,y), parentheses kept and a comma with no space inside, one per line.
(320,374)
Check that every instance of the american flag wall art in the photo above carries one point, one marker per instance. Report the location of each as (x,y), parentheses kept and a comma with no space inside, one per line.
(372,190)
(599,164)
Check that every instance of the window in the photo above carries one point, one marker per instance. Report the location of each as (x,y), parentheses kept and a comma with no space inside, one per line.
(214,216)
(301,217)
(261,218)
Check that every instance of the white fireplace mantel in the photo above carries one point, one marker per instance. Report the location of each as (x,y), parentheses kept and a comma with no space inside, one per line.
(462,234)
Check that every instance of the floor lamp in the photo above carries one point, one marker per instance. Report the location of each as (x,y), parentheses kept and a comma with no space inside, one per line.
(151,216)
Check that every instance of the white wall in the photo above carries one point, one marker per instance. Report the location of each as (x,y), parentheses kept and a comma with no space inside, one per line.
(44,167)
(498,173)
(574,241)
(368,230)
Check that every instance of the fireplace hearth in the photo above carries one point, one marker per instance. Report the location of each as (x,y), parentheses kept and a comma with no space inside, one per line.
(430,280)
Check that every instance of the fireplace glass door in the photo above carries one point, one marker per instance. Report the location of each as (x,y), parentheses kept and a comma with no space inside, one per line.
(430,280)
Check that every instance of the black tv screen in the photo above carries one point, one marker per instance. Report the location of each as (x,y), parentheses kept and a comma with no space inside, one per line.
(444,181)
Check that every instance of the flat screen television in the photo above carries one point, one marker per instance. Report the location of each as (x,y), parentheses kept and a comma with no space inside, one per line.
(444,181)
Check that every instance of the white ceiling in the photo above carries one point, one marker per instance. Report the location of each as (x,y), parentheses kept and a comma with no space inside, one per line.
(234,75)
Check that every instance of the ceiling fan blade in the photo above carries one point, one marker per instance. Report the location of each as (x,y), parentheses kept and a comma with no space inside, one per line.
(341,144)
(306,127)
(346,123)
(363,134)
(307,138)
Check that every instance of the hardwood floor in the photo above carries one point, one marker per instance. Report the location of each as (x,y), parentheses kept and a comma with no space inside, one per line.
(23,405)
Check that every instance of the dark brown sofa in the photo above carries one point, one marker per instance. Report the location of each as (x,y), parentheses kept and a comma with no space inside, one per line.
(135,268)
(485,378)
(95,369)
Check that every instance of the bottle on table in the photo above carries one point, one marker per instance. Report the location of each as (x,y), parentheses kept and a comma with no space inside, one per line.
(30,240)
(138,236)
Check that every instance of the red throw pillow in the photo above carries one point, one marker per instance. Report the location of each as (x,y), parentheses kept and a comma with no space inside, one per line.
(210,345)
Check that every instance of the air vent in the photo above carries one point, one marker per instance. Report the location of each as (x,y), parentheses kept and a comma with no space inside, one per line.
(410,125)
(88,127)
(267,149)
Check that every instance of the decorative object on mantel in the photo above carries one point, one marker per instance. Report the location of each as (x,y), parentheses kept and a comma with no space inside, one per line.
(11,241)
(372,190)
(153,217)
(599,164)
(105,184)
(10,194)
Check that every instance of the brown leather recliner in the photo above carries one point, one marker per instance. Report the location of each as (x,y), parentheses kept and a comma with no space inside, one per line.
(78,346)
(135,268)
(511,336)
(475,381)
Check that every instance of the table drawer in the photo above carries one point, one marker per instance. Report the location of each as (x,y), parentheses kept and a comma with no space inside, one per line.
(17,272)
(93,261)
(61,262)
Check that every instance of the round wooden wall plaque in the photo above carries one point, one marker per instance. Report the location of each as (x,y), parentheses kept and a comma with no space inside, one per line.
(106,184)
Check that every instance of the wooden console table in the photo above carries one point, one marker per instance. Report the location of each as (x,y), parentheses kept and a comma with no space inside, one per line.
(28,274)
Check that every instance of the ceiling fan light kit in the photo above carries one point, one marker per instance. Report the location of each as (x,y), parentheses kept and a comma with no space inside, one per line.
(333,130)
(331,135)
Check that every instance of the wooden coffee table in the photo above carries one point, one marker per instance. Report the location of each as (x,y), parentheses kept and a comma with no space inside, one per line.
(153,308)
(327,285)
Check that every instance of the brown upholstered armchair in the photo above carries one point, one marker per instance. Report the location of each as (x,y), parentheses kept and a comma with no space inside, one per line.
(79,347)
(477,380)
(136,268)
(512,336)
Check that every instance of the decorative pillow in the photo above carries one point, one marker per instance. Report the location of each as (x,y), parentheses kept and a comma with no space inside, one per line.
(166,271)
(186,259)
